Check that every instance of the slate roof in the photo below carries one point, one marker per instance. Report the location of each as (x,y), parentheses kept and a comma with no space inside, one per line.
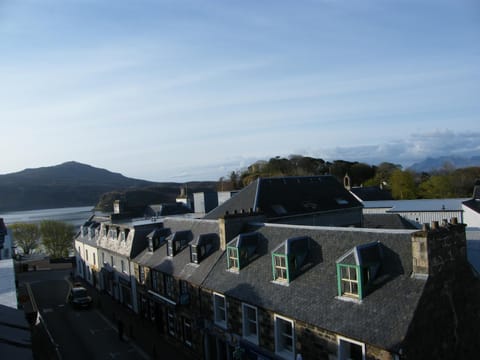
(179,265)
(135,241)
(381,319)
(386,221)
(371,193)
(286,196)
(15,335)
(474,202)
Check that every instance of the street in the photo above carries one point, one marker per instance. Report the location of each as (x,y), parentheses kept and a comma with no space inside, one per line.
(79,334)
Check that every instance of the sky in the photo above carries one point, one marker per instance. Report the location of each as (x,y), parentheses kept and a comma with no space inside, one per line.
(181,90)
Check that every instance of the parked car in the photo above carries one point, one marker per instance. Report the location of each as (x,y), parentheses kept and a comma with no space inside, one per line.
(78,297)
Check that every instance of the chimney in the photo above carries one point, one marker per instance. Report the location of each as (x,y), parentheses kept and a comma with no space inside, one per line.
(118,207)
(438,248)
(230,225)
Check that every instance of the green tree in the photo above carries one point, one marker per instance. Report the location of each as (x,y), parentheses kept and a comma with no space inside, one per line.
(403,185)
(26,236)
(57,237)
(436,187)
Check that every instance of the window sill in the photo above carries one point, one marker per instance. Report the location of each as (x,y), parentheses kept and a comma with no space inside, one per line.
(349,299)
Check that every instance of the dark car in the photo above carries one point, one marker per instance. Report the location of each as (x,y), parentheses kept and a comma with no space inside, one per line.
(79,297)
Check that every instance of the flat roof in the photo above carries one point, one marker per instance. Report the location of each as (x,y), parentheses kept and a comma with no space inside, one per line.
(8,293)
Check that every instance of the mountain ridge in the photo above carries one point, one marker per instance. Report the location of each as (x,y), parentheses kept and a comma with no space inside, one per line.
(73,184)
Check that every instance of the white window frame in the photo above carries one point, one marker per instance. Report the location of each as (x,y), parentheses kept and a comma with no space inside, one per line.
(187,323)
(341,354)
(171,322)
(282,352)
(245,322)
(217,311)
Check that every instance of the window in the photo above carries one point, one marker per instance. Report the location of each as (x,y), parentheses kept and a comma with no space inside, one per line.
(103,258)
(289,257)
(171,322)
(94,259)
(284,337)
(348,278)
(141,274)
(280,271)
(350,349)
(203,246)
(86,254)
(155,280)
(220,310)
(250,323)
(187,331)
(232,260)
(242,250)
(111,261)
(122,265)
(169,286)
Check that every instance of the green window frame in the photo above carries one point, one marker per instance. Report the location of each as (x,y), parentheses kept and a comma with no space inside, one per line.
(233,261)
(280,268)
(350,281)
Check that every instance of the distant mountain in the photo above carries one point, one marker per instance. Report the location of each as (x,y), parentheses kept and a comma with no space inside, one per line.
(64,185)
(432,164)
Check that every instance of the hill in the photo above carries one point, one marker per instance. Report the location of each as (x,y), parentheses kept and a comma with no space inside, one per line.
(435,164)
(64,185)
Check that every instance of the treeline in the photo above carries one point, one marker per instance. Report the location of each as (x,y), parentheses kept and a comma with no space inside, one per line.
(404,184)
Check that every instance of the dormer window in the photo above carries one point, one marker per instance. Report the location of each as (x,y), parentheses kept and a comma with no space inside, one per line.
(203,246)
(157,238)
(242,250)
(357,269)
(178,241)
(288,259)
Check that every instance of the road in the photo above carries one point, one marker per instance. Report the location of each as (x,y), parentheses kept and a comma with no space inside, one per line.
(79,334)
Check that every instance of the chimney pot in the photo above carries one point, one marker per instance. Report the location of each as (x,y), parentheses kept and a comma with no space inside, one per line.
(454,221)
(434,225)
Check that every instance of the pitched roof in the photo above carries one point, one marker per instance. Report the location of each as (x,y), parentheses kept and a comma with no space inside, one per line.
(371,193)
(311,297)
(386,221)
(474,202)
(179,265)
(285,196)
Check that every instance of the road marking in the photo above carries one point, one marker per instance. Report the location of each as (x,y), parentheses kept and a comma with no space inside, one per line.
(47,310)
(61,305)
(114,355)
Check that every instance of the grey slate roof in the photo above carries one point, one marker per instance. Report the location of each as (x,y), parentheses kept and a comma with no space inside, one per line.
(386,221)
(286,196)
(371,193)
(474,202)
(383,316)
(179,265)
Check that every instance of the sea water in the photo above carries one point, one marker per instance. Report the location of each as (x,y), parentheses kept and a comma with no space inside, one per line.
(72,215)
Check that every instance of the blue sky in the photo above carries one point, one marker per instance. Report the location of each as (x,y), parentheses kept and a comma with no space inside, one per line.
(191,90)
